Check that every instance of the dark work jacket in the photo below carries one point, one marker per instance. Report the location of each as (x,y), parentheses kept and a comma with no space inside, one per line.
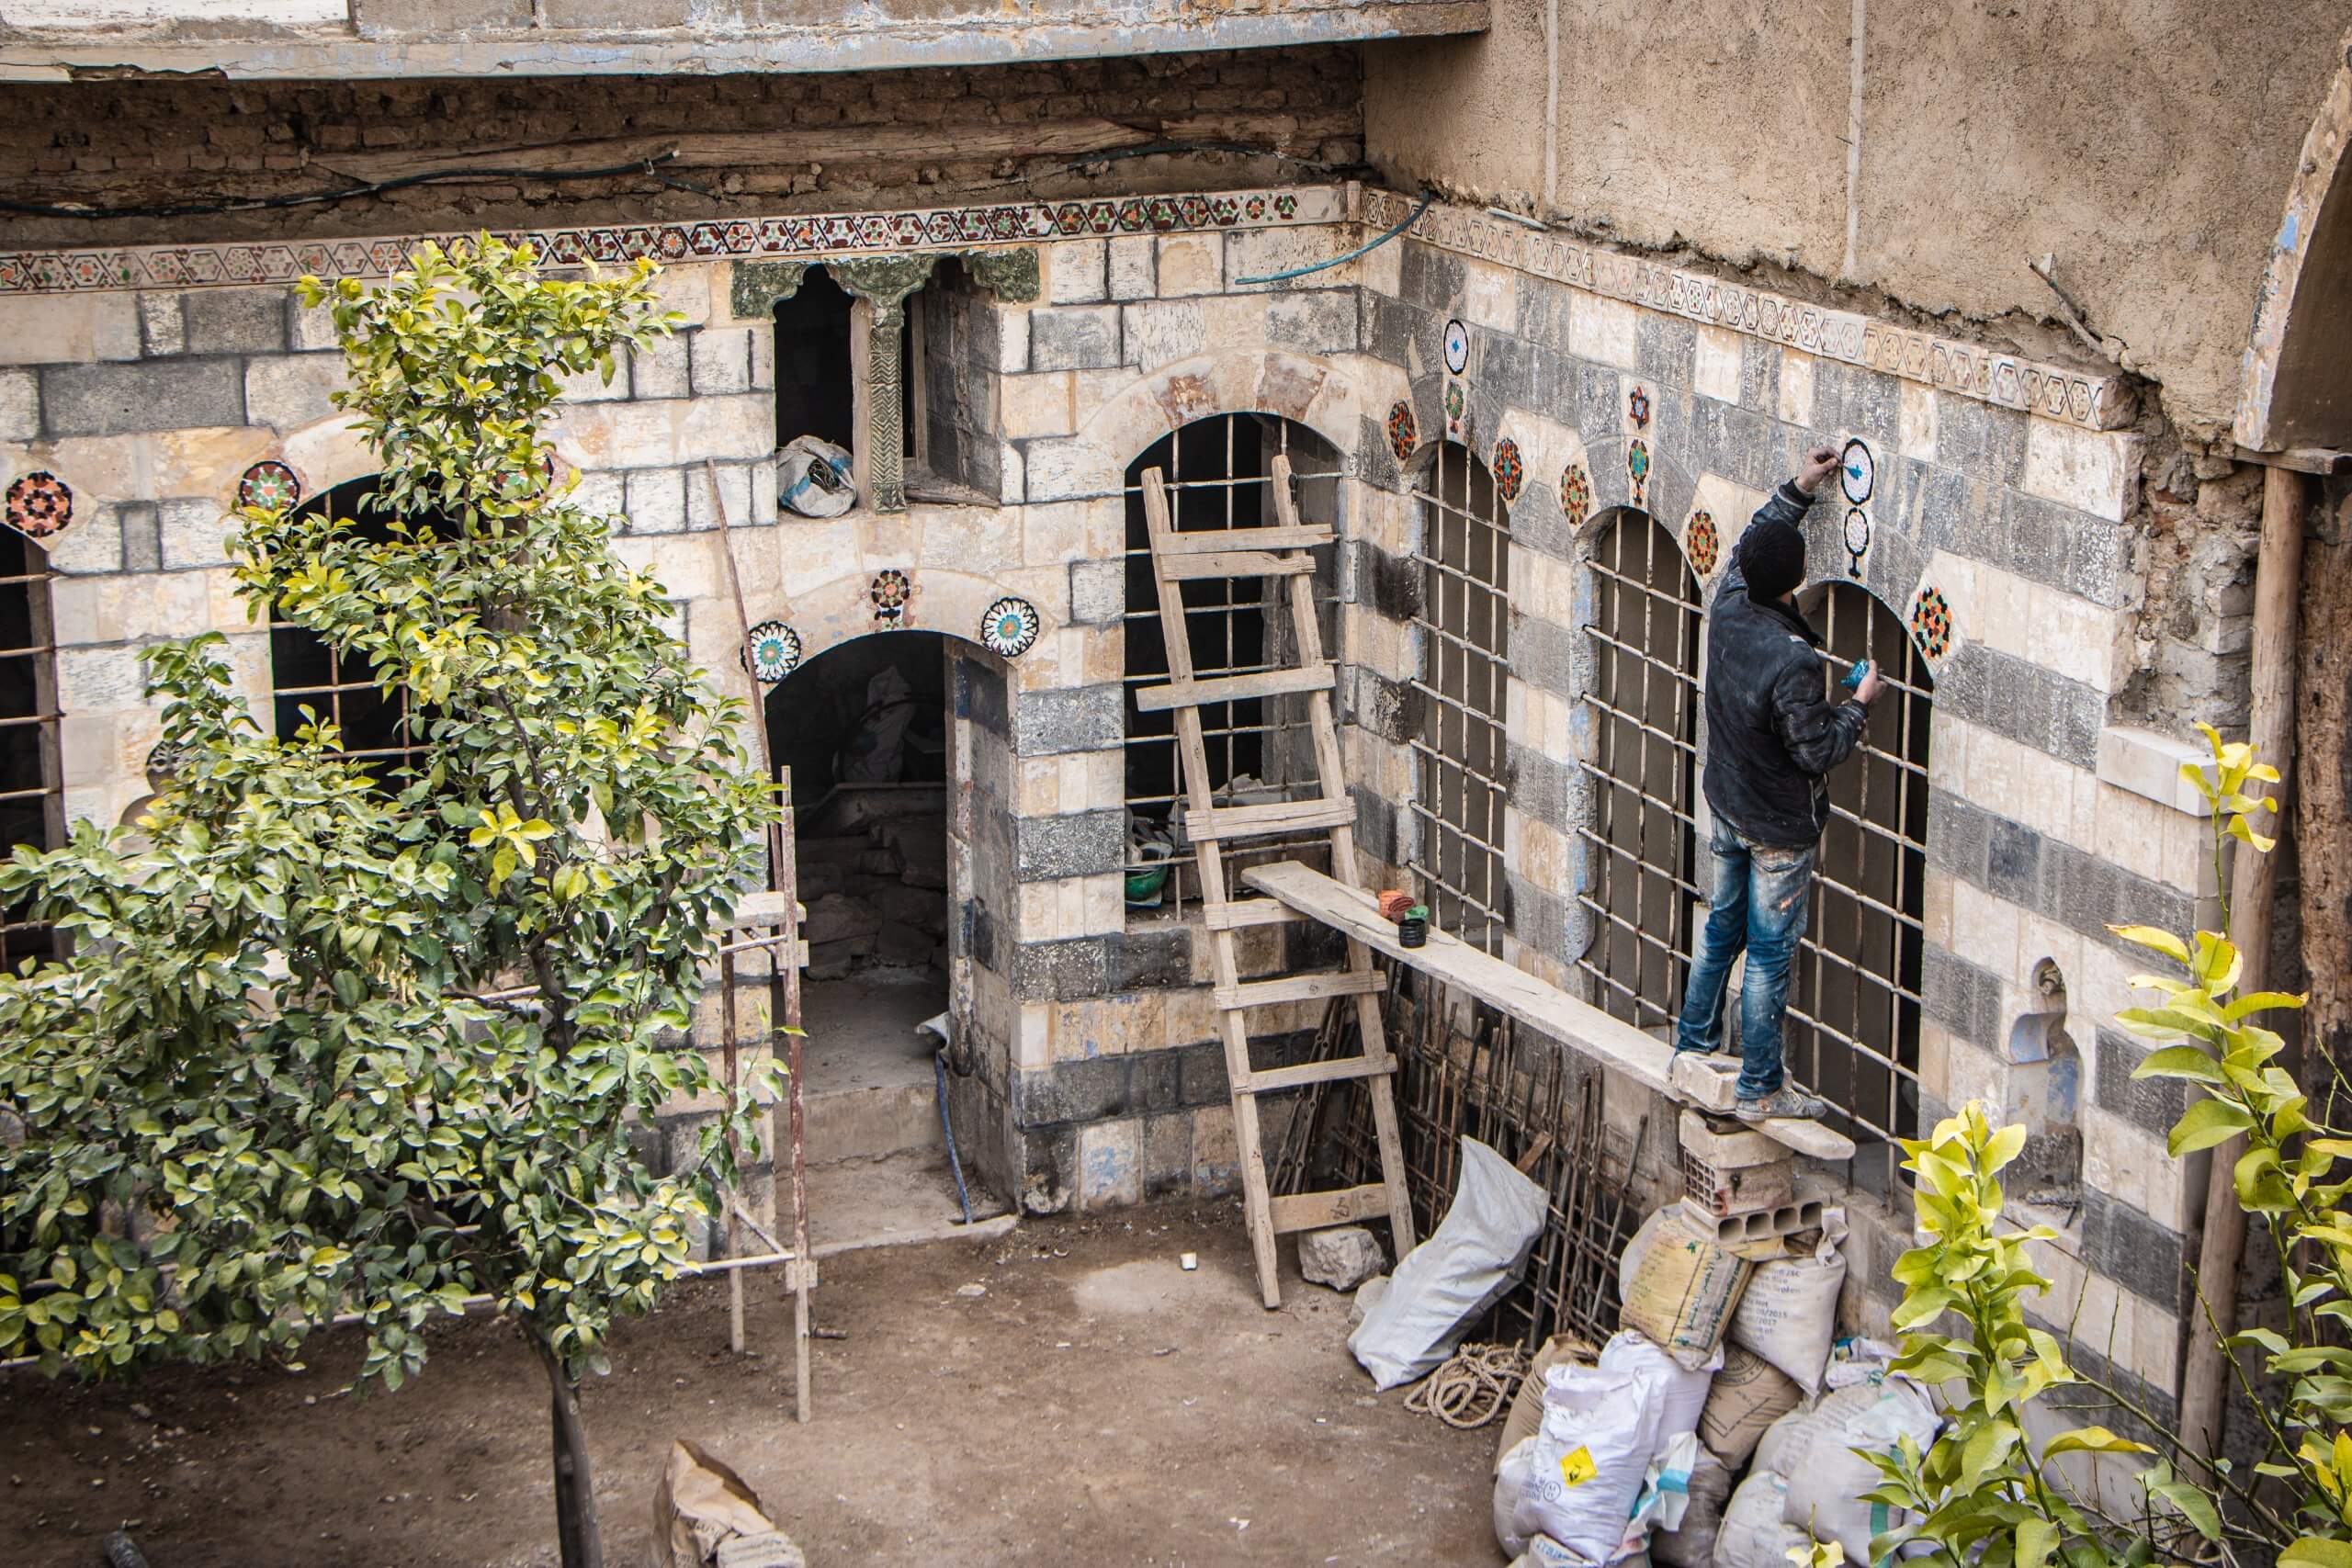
(1772,737)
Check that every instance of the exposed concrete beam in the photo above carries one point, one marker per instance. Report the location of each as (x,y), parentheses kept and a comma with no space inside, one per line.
(983,37)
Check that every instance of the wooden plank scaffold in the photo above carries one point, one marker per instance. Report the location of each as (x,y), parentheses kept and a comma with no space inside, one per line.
(1279,552)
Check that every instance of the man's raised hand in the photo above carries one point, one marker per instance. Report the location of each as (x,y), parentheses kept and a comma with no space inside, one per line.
(1819,464)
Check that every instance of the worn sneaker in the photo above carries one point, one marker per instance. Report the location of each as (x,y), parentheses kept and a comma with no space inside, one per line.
(1784,1101)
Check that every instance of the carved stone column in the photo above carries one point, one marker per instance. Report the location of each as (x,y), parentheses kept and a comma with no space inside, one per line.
(880,285)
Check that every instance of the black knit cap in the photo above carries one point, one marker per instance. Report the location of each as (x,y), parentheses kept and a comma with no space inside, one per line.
(1773,560)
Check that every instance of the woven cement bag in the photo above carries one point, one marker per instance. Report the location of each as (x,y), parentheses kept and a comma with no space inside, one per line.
(1826,1477)
(1679,1287)
(1447,1283)
(1788,1314)
(1682,1390)
(1745,1398)
(1691,1543)
(1753,1533)
(1587,1464)
(1526,1413)
(1511,1480)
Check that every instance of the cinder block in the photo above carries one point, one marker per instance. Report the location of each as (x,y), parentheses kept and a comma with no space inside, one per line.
(1708,1081)
(128,400)
(1761,1224)
(236,321)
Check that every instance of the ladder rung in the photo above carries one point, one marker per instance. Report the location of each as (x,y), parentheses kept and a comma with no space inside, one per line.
(1234,563)
(1313,1211)
(1275,817)
(1247,912)
(1301,988)
(1235,688)
(1208,541)
(1273,1080)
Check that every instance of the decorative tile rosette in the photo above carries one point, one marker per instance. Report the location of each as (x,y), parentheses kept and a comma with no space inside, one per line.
(1008,627)
(270,486)
(1931,623)
(1856,540)
(1402,434)
(1510,472)
(892,592)
(1701,544)
(40,505)
(1454,402)
(773,651)
(1637,408)
(1576,493)
(1637,466)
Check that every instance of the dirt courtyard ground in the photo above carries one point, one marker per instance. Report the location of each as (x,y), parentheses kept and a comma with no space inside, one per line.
(1097,1405)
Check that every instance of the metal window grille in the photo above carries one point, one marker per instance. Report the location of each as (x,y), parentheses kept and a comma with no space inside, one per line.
(1465,620)
(379,727)
(1217,473)
(1642,835)
(1854,1021)
(32,781)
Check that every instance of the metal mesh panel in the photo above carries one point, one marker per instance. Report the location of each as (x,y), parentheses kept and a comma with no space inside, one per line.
(1464,619)
(1853,1022)
(1217,473)
(32,791)
(377,726)
(1641,837)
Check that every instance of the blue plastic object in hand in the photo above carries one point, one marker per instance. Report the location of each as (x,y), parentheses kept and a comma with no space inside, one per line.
(1854,676)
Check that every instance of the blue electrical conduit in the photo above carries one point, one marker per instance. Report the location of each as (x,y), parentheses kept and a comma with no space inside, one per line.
(1411,219)
(939,1079)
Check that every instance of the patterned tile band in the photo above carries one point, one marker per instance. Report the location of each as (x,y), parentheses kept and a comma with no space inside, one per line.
(809,234)
(1971,370)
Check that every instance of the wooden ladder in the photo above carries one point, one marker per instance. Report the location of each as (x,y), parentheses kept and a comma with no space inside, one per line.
(1277,551)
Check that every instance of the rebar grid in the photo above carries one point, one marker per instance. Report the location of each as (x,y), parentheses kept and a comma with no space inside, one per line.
(1218,471)
(32,775)
(1469,1074)
(1853,1018)
(1460,755)
(1641,834)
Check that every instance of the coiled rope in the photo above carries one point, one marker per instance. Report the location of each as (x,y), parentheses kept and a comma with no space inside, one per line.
(1473,1387)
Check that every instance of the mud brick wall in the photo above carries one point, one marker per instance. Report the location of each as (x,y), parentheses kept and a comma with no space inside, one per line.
(910,137)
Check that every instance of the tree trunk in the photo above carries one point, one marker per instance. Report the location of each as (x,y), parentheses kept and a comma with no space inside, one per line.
(2324,810)
(575,1482)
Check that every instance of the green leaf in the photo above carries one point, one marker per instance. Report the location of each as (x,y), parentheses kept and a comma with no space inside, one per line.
(2163,941)
(2316,1551)
(2179,1062)
(2094,1440)
(2207,1122)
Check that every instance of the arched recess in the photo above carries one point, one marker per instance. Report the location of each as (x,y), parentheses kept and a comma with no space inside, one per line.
(1641,836)
(381,728)
(1218,471)
(2295,382)
(1461,754)
(1853,1020)
(32,779)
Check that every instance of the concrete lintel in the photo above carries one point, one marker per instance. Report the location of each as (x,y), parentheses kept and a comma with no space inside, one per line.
(323,53)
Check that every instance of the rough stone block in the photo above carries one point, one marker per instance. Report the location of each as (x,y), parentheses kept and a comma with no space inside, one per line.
(382,18)
(143,541)
(236,321)
(1074,272)
(126,400)
(1133,274)
(2148,763)
(630,16)
(19,405)
(739,489)
(1083,843)
(1162,334)
(1098,591)
(656,500)
(1110,1164)
(1167,1153)
(1323,322)
(1088,718)
(163,325)
(1342,1258)
(51,329)
(1074,337)
(719,359)
(94,543)
(659,369)
(1190,263)
(193,533)
(289,391)
(1707,1081)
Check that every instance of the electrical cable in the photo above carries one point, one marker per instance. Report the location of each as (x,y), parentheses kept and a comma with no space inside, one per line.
(313,199)
(1427,197)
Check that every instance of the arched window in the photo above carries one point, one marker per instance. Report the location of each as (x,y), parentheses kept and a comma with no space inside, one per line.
(1465,621)
(1216,471)
(379,728)
(32,780)
(1641,836)
(1854,1021)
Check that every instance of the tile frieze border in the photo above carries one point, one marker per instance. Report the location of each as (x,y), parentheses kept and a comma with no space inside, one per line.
(2088,399)
(811,236)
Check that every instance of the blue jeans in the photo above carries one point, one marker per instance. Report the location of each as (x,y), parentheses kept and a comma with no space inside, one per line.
(1757,900)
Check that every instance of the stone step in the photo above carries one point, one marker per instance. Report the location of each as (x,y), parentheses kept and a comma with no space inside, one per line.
(869,1121)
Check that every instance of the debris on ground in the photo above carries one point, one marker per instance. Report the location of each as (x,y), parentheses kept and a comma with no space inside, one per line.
(1342,1257)
(1447,1284)
(705,1516)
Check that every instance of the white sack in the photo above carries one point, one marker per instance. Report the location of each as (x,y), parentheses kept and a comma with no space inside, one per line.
(1682,1391)
(1599,1435)
(1511,1480)
(1447,1283)
(1788,1314)
(1666,1494)
(812,478)
(1827,1478)
(1691,1542)
(1753,1535)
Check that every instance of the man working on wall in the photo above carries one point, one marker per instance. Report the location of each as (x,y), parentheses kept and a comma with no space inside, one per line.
(1772,741)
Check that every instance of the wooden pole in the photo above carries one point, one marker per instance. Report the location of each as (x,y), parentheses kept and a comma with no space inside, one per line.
(2254,894)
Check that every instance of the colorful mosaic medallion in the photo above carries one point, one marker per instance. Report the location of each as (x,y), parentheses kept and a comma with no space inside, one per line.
(1637,407)
(1857,471)
(1402,434)
(774,650)
(1508,473)
(1457,347)
(1931,623)
(1637,464)
(1858,540)
(270,486)
(1454,402)
(890,593)
(1701,544)
(1576,493)
(40,505)
(1009,627)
